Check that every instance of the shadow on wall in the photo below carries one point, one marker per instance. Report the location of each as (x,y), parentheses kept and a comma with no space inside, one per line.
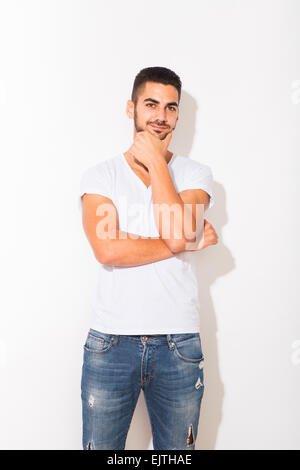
(213,262)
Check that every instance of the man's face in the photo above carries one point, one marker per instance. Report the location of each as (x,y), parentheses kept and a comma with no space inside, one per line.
(156,109)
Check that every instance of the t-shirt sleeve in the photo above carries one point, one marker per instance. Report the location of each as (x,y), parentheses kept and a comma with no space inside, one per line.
(198,176)
(95,180)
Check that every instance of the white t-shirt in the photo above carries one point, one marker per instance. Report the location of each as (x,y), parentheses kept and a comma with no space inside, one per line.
(154,298)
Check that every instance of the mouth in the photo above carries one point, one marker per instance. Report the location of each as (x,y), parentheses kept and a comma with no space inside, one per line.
(158,128)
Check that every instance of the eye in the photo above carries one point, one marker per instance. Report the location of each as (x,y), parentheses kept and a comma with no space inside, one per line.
(172,108)
(150,104)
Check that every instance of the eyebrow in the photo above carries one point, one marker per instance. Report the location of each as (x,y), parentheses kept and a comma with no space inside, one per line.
(173,103)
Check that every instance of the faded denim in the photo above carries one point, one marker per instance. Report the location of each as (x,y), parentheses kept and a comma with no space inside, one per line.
(169,370)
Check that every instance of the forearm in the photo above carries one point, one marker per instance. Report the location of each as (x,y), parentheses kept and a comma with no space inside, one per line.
(174,221)
(125,251)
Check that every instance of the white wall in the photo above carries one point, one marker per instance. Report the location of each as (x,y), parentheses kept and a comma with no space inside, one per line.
(66,71)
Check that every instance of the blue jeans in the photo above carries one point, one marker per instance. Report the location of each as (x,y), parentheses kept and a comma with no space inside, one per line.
(169,370)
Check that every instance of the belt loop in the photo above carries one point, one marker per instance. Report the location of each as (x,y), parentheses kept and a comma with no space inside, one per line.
(170,342)
(115,339)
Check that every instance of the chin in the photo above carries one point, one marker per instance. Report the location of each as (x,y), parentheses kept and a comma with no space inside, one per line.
(160,134)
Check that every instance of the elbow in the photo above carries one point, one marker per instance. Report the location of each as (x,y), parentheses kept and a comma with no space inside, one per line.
(103,256)
(177,245)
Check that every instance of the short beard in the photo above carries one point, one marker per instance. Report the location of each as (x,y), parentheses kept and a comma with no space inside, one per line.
(139,129)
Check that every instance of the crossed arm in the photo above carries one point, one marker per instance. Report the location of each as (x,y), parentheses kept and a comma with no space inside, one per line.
(186,209)
(124,249)
(121,248)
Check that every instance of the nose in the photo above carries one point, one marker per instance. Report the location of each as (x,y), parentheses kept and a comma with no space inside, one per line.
(161,115)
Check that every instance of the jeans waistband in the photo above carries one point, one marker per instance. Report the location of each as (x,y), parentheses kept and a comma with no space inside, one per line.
(157,339)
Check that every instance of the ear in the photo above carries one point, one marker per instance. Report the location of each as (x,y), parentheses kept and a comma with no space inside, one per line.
(130,109)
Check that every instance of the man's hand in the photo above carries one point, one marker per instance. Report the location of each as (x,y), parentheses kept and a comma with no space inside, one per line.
(147,147)
(209,237)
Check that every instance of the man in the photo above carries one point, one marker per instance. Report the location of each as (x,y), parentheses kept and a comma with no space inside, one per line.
(140,213)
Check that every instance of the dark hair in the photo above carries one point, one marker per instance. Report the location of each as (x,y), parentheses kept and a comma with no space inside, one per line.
(158,75)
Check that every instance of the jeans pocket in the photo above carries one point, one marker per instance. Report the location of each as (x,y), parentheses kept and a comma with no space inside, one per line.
(97,342)
(188,347)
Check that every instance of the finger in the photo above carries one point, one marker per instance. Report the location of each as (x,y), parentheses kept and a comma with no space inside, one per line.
(167,139)
(154,137)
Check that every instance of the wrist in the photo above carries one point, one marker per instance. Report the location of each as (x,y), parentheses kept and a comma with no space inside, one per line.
(156,163)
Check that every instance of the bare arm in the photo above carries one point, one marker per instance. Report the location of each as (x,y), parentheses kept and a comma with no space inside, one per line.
(117,248)
(167,205)
(196,202)
(128,252)
(186,220)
